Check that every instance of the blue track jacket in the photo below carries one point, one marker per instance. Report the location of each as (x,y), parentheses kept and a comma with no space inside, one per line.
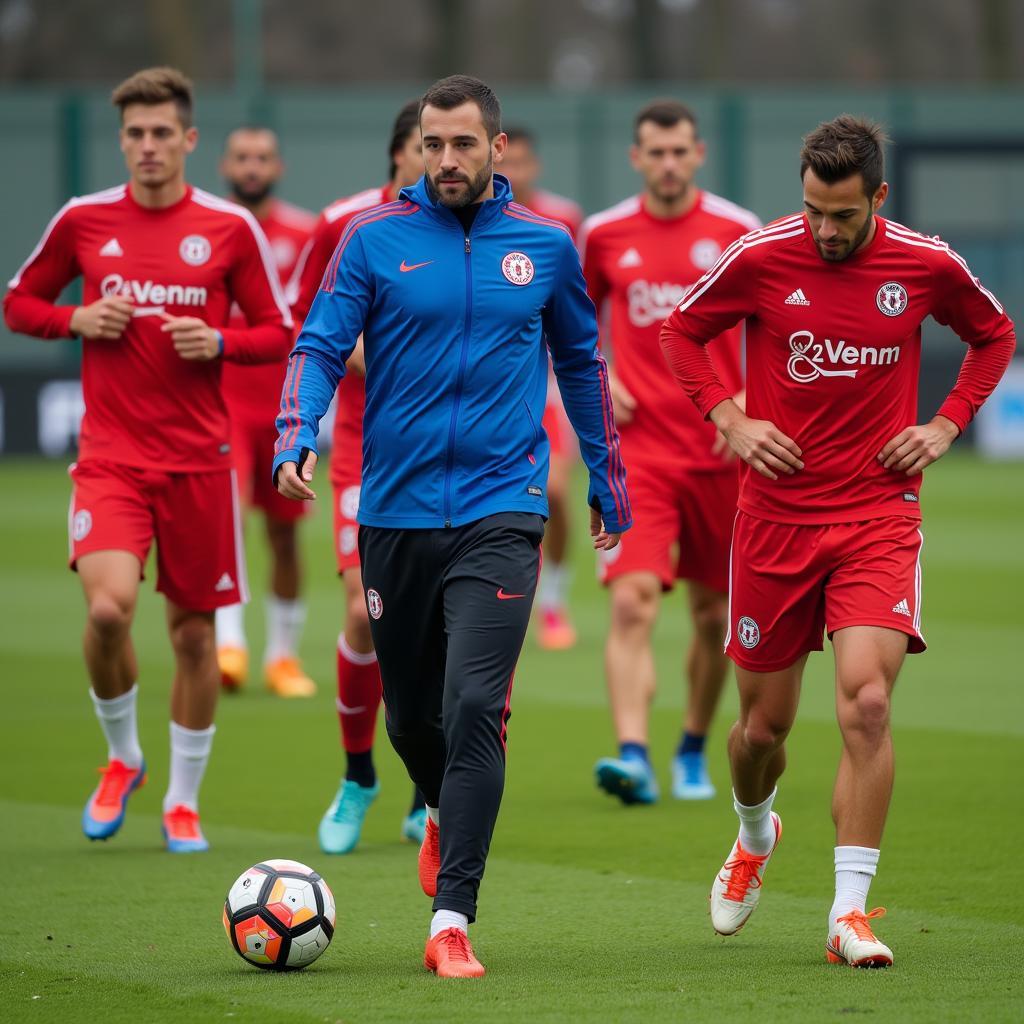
(454,331)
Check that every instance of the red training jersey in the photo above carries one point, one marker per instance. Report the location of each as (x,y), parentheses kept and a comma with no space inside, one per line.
(309,272)
(253,393)
(642,265)
(145,405)
(556,207)
(833,351)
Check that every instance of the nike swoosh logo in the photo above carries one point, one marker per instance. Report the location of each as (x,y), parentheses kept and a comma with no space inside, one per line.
(405,267)
(502,596)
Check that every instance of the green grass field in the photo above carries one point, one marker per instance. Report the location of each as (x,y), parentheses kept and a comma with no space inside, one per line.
(589,911)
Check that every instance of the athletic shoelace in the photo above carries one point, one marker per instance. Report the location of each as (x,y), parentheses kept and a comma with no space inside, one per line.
(457,942)
(183,822)
(115,776)
(744,874)
(348,810)
(858,921)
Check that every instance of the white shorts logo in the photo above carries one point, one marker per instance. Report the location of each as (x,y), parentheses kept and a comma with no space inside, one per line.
(374,605)
(347,540)
(81,524)
(194,250)
(747,632)
(704,253)
(517,268)
(348,504)
(891,298)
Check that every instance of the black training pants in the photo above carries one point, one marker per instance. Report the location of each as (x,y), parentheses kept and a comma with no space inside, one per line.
(449,610)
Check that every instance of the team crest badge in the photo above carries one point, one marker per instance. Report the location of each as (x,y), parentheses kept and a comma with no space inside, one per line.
(892,298)
(195,250)
(349,503)
(374,605)
(517,268)
(704,253)
(81,524)
(747,632)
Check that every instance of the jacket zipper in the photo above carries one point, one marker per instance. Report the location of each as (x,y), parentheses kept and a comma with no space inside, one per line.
(450,466)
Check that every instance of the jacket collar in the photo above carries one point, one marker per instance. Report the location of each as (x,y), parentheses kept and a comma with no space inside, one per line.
(489,211)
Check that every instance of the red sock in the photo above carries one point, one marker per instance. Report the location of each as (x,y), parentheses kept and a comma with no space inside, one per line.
(359,693)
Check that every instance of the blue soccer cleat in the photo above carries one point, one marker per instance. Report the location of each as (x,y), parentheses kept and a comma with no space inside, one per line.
(690,779)
(182,833)
(104,810)
(342,823)
(630,779)
(414,826)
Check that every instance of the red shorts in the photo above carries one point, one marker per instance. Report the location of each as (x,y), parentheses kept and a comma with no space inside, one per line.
(252,447)
(790,583)
(682,525)
(345,481)
(555,427)
(194,518)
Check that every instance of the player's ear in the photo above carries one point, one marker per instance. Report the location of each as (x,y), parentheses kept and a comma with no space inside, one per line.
(191,139)
(879,197)
(634,157)
(701,151)
(498,146)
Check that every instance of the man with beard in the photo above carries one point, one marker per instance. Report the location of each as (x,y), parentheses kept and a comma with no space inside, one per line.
(454,288)
(640,256)
(252,168)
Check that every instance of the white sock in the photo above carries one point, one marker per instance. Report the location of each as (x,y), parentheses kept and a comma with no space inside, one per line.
(855,867)
(434,814)
(230,623)
(190,750)
(118,721)
(285,620)
(553,586)
(443,919)
(757,831)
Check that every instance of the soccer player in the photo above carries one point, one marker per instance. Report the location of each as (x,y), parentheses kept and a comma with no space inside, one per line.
(522,166)
(359,686)
(161,263)
(251,166)
(454,288)
(828,530)
(640,256)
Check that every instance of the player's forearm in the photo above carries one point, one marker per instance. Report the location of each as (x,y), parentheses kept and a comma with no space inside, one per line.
(29,314)
(690,363)
(309,386)
(982,369)
(264,343)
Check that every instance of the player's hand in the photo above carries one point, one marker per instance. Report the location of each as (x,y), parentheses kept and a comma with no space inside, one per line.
(603,541)
(759,443)
(292,484)
(105,318)
(721,446)
(623,403)
(916,447)
(192,338)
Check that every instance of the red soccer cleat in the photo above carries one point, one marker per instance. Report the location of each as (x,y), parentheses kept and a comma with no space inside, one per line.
(449,955)
(429,861)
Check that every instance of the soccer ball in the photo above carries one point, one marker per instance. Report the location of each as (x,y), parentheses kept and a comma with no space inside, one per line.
(279,915)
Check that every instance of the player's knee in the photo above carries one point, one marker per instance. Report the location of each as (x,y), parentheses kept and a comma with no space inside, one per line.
(868,712)
(634,606)
(763,734)
(194,638)
(710,619)
(109,615)
(283,541)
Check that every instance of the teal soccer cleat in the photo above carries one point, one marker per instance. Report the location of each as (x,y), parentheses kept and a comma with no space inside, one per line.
(690,779)
(630,779)
(343,821)
(414,826)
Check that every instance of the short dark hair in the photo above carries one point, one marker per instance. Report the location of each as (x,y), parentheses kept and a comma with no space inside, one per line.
(845,146)
(254,128)
(156,85)
(406,123)
(451,92)
(665,113)
(517,133)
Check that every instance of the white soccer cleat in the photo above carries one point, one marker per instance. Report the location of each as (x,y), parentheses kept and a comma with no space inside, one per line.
(853,942)
(737,887)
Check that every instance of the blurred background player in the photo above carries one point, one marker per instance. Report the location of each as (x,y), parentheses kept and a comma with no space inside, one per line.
(160,261)
(251,166)
(641,256)
(359,685)
(522,166)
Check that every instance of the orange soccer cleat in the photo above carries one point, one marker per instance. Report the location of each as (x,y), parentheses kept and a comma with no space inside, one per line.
(182,832)
(555,632)
(736,890)
(284,677)
(429,861)
(853,942)
(105,809)
(449,955)
(233,663)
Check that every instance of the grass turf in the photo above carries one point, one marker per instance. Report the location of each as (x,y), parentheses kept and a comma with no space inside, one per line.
(589,911)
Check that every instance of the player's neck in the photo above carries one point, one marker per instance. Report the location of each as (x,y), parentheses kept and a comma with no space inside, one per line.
(159,196)
(869,237)
(260,210)
(662,209)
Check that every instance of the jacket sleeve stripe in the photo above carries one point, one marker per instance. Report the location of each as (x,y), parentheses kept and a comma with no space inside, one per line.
(616,473)
(292,418)
(378,213)
(521,213)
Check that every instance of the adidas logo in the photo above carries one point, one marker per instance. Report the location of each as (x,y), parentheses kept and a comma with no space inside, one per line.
(902,608)
(227,583)
(630,258)
(112,248)
(798,299)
